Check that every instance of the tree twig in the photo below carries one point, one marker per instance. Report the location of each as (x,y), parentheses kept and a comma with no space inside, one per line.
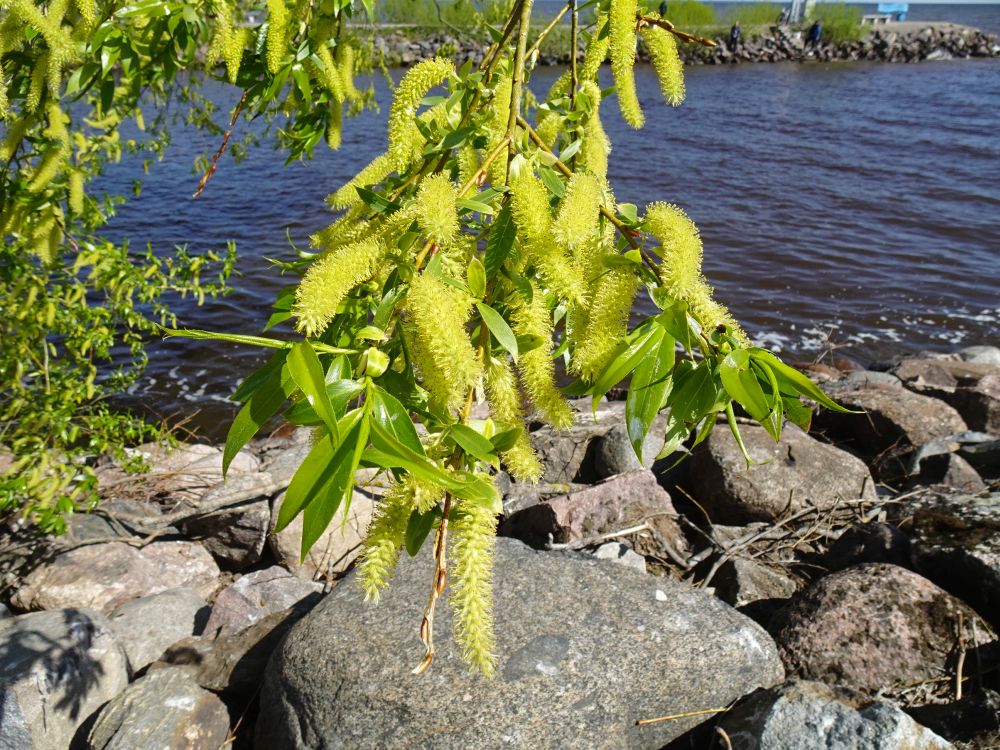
(222,148)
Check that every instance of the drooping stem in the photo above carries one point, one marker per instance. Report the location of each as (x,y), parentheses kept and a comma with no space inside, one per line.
(537,45)
(573,76)
(517,80)
(437,587)
(663,23)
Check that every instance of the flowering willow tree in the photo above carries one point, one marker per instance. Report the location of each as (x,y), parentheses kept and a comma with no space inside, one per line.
(481,248)
(77,308)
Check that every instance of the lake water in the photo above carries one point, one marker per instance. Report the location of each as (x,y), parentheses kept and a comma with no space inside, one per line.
(847,205)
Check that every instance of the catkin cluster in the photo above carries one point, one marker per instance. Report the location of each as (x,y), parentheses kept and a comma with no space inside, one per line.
(403,132)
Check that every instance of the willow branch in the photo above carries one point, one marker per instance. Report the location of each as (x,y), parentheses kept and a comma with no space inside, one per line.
(545,32)
(222,148)
(663,23)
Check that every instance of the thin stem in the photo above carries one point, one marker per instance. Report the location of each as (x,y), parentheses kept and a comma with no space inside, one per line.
(545,32)
(573,75)
(663,23)
(222,148)
(517,81)
(437,588)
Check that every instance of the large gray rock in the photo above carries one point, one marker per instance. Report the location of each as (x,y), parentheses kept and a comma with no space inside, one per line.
(256,595)
(986,355)
(869,627)
(235,537)
(785,477)
(337,547)
(165,710)
(971,387)
(955,542)
(801,714)
(616,504)
(741,582)
(105,576)
(614,453)
(894,422)
(585,648)
(145,627)
(56,669)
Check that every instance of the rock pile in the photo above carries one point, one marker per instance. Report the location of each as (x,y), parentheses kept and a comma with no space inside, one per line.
(781,44)
(845,585)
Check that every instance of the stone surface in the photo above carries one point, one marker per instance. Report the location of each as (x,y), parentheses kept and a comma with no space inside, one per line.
(971,387)
(256,595)
(236,538)
(868,543)
(622,554)
(585,648)
(963,720)
(801,715)
(614,453)
(868,377)
(145,627)
(616,504)
(56,669)
(869,627)
(105,576)
(335,550)
(231,665)
(165,710)
(986,355)
(741,582)
(956,544)
(895,422)
(568,455)
(785,477)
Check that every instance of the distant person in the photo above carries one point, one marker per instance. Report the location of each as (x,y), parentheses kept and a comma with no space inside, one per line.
(815,31)
(734,36)
(663,9)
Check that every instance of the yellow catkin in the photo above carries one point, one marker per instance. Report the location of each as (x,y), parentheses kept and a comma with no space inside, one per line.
(329,280)
(87,10)
(473,536)
(328,74)
(505,407)
(223,28)
(36,86)
(666,61)
(436,314)
(376,171)
(468,162)
(15,134)
(593,156)
(607,319)
(578,219)
(418,80)
(438,217)
(496,126)
(530,208)
(597,50)
(46,238)
(385,539)
(334,125)
(232,51)
(277,31)
(535,367)
(550,122)
(682,254)
(75,198)
(4,103)
(622,52)
(52,160)
(344,57)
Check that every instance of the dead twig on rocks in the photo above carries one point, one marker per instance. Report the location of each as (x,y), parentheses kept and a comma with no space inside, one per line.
(685,715)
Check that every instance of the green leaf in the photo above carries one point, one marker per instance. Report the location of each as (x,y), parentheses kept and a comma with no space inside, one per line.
(529,341)
(317,472)
(306,370)
(377,203)
(472,442)
(499,328)
(418,528)
(264,402)
(260,376)
(394,418)
(735,429)
(625,362)
(798,413)
(262,341)
(471,204)
(340,393)
(320,509)
(648,389)
(475,278)
(741,383)
(799,382)
(694,394)
(500,241)
(506,439)
(552,182)
(674,319)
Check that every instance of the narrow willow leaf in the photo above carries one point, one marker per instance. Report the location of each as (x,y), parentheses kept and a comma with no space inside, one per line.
(475,278)
(500,329)
(506,439)
(472,442)
(391,415)
(418,528)
(258,377)
(340,393)
(797,380)
(624,363)
(263,403)
(305,368)
(735,429)
(500,242)
(648,389)
(742,385)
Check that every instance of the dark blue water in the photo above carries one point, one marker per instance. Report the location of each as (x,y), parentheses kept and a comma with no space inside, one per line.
(853,205)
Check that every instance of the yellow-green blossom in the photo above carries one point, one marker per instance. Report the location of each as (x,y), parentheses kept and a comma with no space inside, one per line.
(329,280)
(667,63)
(578,219)
(376,171)
(606,322)
(535,366)
(385,539)
(437,215)
(277,34)
(473,536)
(622,51)
(505,406)
(414,86)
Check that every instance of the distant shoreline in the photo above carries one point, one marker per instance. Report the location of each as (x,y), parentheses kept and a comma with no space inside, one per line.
(898,42)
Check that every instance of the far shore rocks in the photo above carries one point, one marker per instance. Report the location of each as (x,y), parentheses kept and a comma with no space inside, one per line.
(585,647)
(862,558)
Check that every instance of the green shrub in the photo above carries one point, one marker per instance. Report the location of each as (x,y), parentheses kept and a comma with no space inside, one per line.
(755,14)
(841,22)
(690,14)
